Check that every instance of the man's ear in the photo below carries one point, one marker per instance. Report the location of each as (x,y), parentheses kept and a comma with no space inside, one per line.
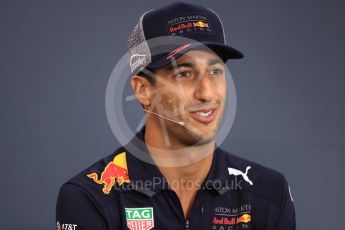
(142,89)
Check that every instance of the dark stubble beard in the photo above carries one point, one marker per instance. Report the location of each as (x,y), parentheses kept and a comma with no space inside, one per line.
(190,136)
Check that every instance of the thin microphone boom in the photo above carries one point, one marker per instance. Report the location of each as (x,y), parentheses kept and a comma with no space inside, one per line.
(178,122)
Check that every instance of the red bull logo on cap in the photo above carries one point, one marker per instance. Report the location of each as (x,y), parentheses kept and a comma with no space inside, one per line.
(182,25)
(114,171)
(200,24)
(245,218)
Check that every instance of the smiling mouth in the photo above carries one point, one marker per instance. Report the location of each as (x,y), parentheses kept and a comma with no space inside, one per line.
(204,116)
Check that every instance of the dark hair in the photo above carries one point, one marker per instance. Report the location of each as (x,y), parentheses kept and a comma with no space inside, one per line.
(151,79)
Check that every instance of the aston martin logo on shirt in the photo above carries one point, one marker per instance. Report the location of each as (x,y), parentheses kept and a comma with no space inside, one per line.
(232,217)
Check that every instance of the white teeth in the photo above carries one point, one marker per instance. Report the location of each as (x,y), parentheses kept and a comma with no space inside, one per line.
(202,114)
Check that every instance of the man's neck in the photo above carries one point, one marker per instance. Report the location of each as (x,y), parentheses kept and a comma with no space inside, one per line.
(184,167)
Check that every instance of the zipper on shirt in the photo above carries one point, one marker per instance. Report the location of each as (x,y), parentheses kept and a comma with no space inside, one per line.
(187,225)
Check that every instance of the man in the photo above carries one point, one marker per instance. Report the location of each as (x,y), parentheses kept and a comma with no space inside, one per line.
(188,182)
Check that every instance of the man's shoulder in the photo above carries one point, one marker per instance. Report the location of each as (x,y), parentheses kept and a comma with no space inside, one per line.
(97,181)
(259,180)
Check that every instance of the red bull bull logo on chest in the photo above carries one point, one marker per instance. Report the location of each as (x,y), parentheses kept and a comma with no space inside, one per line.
(114,171)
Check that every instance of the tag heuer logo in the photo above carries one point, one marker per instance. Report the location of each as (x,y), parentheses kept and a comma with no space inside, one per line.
(139,218)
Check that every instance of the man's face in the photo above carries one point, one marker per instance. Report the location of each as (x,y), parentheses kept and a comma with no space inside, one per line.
(192,90)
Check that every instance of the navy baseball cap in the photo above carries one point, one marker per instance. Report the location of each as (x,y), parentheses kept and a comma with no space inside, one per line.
(168,32)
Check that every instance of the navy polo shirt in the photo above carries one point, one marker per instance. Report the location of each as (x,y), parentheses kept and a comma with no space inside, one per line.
(123,192)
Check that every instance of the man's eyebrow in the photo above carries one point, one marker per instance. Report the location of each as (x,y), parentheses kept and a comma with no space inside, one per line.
(215,61)
(191,65)
(178,65)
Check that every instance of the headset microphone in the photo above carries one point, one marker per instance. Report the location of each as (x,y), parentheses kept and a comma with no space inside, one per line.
(178,122)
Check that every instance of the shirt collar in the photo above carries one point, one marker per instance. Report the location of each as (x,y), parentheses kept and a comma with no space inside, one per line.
(146,178)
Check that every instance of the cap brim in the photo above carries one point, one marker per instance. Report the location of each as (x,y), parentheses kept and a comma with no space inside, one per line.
(223,51)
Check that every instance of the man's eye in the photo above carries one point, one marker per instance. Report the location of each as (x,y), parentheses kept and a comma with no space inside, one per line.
(183,74)
(216,71)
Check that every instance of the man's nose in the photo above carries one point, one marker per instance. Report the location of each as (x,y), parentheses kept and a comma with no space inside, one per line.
(204,87)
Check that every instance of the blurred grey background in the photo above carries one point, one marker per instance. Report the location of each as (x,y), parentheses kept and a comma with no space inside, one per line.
(57,56)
